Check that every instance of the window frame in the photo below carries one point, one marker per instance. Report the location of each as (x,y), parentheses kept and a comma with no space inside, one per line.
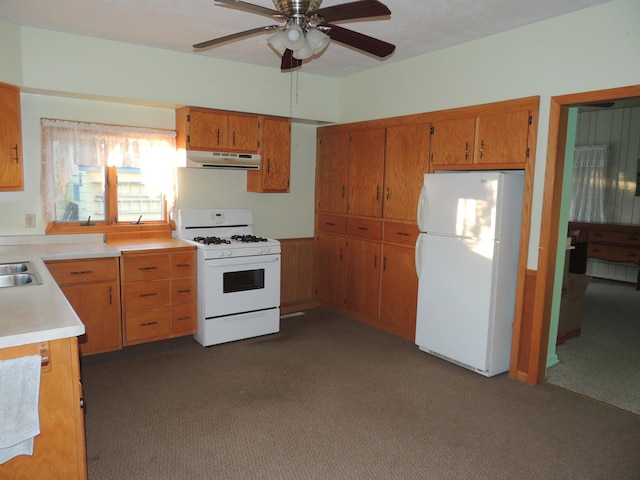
(111,225)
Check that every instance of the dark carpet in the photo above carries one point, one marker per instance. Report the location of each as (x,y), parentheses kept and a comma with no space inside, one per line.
(332,398)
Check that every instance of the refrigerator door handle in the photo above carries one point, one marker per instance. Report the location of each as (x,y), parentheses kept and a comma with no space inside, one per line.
(422,203)
(418,255)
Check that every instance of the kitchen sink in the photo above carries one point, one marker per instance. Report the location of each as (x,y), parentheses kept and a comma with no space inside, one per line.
(9,268)
(18,274)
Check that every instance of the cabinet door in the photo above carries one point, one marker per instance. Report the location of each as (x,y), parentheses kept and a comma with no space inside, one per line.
(98,306)
(332,173)
(363,277)
(243,132)
(366,172)
(329,259)
(207,129)
(59,450)
(274,174)
(399,290)
(405,166)
(11,175)
(452,142)
(502,138)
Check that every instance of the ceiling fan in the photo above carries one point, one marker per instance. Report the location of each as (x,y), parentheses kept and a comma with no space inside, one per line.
(307,28)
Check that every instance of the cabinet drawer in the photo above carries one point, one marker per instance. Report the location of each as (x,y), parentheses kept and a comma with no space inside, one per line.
(138,268)
(614,253)
(183,318)
(359,227)
(83,271)
(183,264)
(147,323)
(403,233)
(183,290)
(332,223)
(146,294)
(622,238)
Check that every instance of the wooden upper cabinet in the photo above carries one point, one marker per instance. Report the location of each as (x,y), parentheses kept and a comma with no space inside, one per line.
(452,142)
(243,132)
(503,138)
(366,172)
(204,129)
(275,151)
(406,163)
(11,162)
(332,170)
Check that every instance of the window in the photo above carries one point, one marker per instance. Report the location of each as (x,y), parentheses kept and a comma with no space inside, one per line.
(106,176)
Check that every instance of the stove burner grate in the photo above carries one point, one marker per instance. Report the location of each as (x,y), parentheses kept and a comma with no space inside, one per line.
(211,240)
(249,238)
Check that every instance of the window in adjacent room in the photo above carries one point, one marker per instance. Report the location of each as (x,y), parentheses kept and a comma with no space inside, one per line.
(106,175)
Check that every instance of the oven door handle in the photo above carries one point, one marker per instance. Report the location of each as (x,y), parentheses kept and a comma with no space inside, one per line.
(242,261)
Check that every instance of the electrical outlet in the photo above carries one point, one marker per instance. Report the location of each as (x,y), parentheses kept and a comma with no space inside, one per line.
(30,220)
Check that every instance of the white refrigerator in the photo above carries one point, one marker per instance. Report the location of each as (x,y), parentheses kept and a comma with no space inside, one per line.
(467,261)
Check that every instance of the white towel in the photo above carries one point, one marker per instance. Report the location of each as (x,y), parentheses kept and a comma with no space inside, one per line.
(19,395)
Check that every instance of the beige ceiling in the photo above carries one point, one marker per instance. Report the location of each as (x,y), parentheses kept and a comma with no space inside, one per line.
(416,27)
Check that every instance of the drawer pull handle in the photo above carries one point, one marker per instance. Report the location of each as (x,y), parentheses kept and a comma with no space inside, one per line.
(363,228)
(404,234)
(183,265)
(147,324)
(331,224)
(147,268)
(184,318)
(629,254)
(148,294)
(184,291)
(82,272)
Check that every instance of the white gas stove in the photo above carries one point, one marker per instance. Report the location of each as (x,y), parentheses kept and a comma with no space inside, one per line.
(238,275)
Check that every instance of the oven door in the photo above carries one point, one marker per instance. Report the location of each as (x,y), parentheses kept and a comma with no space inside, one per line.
(238,285)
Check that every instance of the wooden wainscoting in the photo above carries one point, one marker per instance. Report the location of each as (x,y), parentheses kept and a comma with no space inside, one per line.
(296,286)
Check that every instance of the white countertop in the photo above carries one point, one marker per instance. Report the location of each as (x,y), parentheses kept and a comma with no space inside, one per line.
(39,313)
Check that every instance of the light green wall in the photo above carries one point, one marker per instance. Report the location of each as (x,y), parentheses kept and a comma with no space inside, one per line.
(561,252)
(10,62)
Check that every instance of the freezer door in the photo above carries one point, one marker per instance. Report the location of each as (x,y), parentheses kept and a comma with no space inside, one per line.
(460,204)
(455,299)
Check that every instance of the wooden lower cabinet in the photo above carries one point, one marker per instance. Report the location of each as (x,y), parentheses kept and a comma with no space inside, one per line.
(399,290)
(59,450)
(363,277)
(366,269)
(158,293)
(92,287)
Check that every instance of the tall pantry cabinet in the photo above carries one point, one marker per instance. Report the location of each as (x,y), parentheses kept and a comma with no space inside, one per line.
(367,182)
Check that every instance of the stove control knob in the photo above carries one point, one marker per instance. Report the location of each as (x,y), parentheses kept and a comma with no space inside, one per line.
(266,250)
(220,253)
(227,253)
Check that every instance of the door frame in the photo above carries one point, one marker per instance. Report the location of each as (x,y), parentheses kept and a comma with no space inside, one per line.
(549,228)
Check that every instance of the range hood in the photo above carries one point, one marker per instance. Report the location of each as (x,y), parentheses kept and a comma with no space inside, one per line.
(225,160)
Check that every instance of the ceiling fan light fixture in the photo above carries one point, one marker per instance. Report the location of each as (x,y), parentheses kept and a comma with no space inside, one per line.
(317,40)
(277,42)
(303,53)
(294,37)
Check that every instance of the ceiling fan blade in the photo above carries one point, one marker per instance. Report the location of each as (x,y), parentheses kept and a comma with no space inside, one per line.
(359,40)
(235,36)
(289,62)
(252,8)
(352,10)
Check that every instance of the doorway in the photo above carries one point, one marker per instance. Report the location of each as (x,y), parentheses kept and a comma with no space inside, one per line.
(549,231)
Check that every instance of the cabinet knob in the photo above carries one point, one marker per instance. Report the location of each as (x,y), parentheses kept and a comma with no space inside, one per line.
(16,157)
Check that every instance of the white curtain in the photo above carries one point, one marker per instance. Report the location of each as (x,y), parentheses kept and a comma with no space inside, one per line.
(66,144)
(589,184)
